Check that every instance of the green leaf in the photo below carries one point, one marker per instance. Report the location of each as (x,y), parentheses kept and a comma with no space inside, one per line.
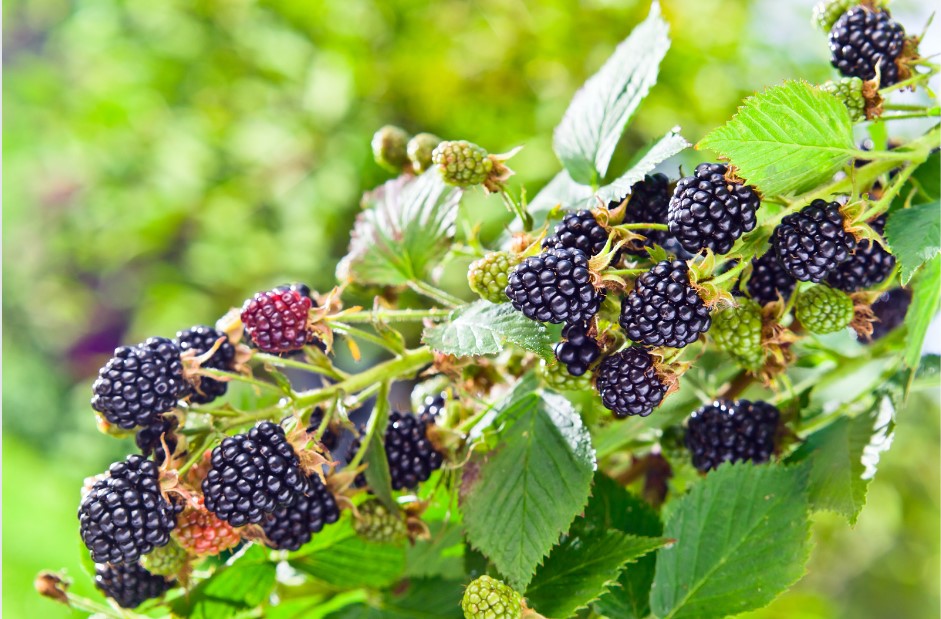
(530,490)
(742,538)
(485,328)
(560,191)
(914,234)
(664,148)
(441,555)
(342,563)
(787,139)
(239,586)
(926,292)
(582,568)
(377,464)
(404,231)
(599,111)
(431,598)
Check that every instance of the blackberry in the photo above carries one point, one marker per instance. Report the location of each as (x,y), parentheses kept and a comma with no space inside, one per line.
(726,431)
(376,523)
(629,384)
(150,440)
(869,265)
(578,230)
(389,148)
(822,309)
(489,598)
(864,39)
(555,287)
(411,455)
(292,526)
(577,351)
(849,90)
(462,163)
(489,275)
(737,331)
(201,339)
(709,211)
(663,309)
(812,242)
(769,280)
(125,516)
(648,203)
(253,474)
(140,383)
(276,320)
(419,150)
(129,585)
(889,309)
(202,534)
(433,407)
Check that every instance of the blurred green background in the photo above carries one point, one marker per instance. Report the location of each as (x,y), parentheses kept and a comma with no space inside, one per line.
(165,159)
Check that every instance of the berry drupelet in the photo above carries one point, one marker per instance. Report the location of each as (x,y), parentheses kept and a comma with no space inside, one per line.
(863,40)
(129,585)
(276,320)
(578,230)
(726,431)
(410,454)
(663,309)
(577,351)
(201,339)
(555,287)
(869,265)
(292,526)
(628,383)
(811,243)
(769,281)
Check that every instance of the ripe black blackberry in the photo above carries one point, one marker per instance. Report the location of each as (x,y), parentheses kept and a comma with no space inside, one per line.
(292,526)
(411,456)
(151,439)
(129,585)
(578,230)
(124,515)
(709,211)
(577,351)
(647,203)
(869,265)
(252,474)
(663,309)
(629,384)
(863,39)
(433,407)
(201,339)
(555,287)
(811,243)
(769,280)
(727,431)
(889,309)
(140,383)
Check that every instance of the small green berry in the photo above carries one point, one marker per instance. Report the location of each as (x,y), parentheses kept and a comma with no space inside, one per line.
(166,560)
(489,276)
(462,163)
(556,376)
(849,90)
(419,150)
(389,148)
(826,12)
(376,523)
(822,309)
(488,598)
(737,331)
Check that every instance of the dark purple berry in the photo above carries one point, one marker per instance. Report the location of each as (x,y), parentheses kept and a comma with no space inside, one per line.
(129,585)
(628,383)
(865,39)
(811,243)
(577,351)
(663,309)
(290,527)
(555,287)
(578,230)
(410,454)
(726,431)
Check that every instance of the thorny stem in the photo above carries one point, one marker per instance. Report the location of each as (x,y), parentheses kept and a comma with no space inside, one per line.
(404,315)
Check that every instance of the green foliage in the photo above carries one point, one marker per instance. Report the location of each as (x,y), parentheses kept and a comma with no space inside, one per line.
(925,299)
(484,328)
(914,234)
(240,586)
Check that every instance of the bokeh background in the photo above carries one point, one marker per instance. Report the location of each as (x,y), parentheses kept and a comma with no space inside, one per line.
(163,160)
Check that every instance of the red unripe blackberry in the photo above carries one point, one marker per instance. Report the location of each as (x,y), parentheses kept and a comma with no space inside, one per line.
(629,384)
(869,265)
(140,383)
(769,279)
(411,456)
(709,211)
(292,526)
(663,309)
(125,516)
(864,39)
(202,534)
(648,203)
(151,439)
(201,340)
(578,230)
(129,585)
(555,287)
(276,320)
(889,309)
(253,474)
(811,243)
(577,351)
(726,431)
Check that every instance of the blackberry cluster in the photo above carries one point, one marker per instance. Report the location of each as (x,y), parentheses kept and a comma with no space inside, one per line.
(292,526)
(253,474)
(125,516)
(577,351)
(628,383)
(129,585)
(140,383)
(812,242)
(822,309)
(411,456)
(769,280)
(578,230)
(276,320)
(663,309)
(889,309)
(201,339)
(489,276)
(489,598)
(726,431)
(150,440)
(849,90)
(864,39)
(648,202)
(709,211)
(869,265)
(433,406)
(555,287)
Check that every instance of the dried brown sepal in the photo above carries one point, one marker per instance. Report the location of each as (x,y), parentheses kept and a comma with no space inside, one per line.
(341,483)
(500,172)
(873,100)
(907,59)
(255,533)
(53,586)
(668,369)
(776,341)
(863,316)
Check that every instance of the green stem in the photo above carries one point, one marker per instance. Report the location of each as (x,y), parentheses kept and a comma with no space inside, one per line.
(516,207)
(197,453)
(912,81)
(87,605)
(928,113)
(239,377)
(731,273)
(404,315)
(440,296)
(642,226)
(284,362)
(625,272)
(365,336)
(902,106)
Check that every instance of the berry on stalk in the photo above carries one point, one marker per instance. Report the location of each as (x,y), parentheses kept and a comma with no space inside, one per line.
(811,243)
(462,163)
(555,287)
(577,351)
(628,383)
(410,454)
(202,534)
(869,265)
(129,585)
(201,339)
(578,230)
(769,281)
(489,598)
(727,431)
(290,527)
(864,41)
(489,276)
(276,320)
(822,309)
(849,90)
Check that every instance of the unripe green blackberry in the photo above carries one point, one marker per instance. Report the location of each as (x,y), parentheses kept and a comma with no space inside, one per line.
(556,376)
(489,598)
(737,331)
(462,163)
(489,276)
(389,148)
(826,12)
(167,560)
(822,309)
(419,150)
(849,90)
(377,523)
